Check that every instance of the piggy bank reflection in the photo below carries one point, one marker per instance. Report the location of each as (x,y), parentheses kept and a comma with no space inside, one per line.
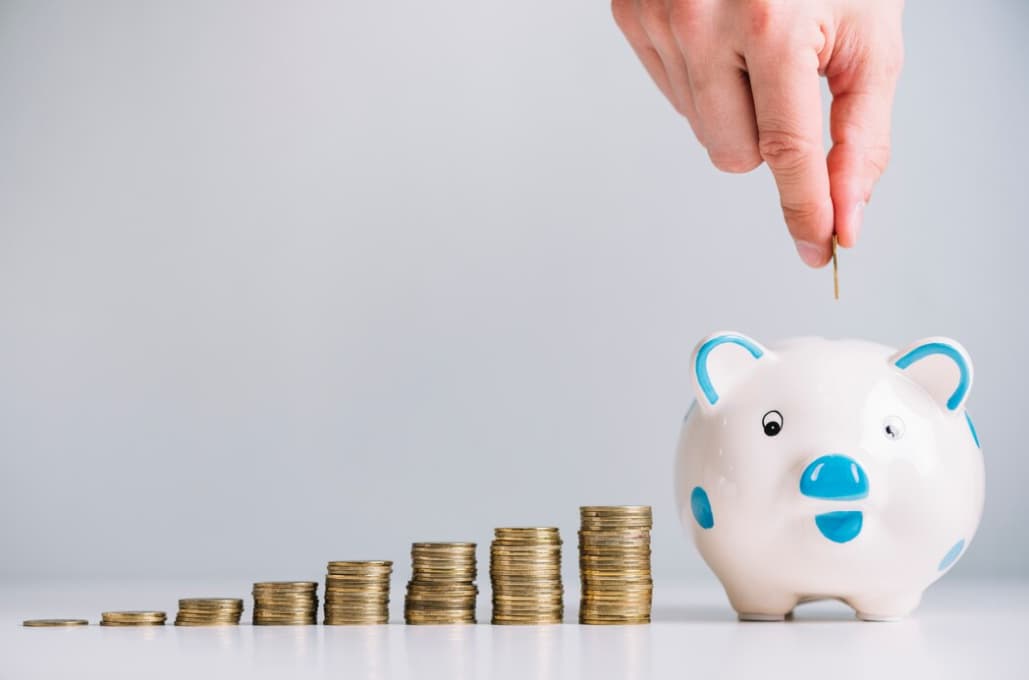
(829,469)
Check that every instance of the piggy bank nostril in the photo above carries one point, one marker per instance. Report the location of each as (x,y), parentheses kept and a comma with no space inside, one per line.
(834,477)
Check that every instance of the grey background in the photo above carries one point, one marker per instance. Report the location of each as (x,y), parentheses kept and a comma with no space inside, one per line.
(289,282)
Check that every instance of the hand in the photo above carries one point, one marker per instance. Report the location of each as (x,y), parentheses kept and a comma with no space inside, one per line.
(745,73)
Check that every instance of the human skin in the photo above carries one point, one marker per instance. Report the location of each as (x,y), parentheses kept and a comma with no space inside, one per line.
(746,75)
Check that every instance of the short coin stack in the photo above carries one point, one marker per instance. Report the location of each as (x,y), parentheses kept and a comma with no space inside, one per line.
(209,611)
(286,603)
(54,623)
(525,571)
(442,586)
(134,618)
(357,592)
(614,563)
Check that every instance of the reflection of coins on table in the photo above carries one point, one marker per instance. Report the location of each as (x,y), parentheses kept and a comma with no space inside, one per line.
(54,623)
(614,564)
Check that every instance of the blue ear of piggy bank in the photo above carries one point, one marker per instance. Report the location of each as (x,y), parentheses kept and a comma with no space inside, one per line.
(701,371)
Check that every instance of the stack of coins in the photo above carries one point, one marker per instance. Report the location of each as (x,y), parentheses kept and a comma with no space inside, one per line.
(209,611)
(442,586)
(614,563)
(140,618)
(286,603)
(525,570)
(357,592)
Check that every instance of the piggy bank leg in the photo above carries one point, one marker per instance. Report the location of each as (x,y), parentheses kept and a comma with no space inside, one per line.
(757,604)
(892,607)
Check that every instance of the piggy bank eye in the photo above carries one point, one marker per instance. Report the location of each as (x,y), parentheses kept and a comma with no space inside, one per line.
(772,423)
(893,427)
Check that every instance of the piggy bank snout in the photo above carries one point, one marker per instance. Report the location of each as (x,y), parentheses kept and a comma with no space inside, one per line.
(834,477)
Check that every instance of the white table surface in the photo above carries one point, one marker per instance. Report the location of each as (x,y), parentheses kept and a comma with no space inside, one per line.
(962,630)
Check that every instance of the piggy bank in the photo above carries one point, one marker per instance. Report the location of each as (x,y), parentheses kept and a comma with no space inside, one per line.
(829,469)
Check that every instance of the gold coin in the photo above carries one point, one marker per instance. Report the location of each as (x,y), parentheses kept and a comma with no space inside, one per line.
(354,591)
(133,616)
(528,534)
(443,545)
(616,521)
(526,530)
(835,271)
(614,509)
(210,613)
(53,623)
(211,602)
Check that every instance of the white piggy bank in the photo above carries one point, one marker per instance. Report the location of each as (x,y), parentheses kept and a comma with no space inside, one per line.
(838,469)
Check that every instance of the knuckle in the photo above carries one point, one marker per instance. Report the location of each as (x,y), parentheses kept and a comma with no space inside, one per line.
(679,106)
(624,13)
(784,151)
(653,13)
(688,18)
(878,157)
(703,87)
(764,19)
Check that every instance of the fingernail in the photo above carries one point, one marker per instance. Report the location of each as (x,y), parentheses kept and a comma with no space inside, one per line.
(857,218)
(810,253)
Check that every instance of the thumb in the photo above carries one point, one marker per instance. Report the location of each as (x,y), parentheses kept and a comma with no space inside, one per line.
(862,78)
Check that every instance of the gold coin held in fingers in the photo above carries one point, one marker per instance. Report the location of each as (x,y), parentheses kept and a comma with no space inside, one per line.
(835,271)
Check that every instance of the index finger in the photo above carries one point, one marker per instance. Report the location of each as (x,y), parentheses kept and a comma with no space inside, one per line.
(788,109)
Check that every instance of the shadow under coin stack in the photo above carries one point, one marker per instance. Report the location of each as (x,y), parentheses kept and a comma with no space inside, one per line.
(209,611)
(442,586)
(135,618)
(614,563)
(357,593)
(525,571)
(286,603)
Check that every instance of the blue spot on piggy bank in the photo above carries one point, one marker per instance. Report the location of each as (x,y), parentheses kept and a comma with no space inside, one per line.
(836,469)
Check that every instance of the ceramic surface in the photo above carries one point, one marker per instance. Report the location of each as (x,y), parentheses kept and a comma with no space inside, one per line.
(817,469)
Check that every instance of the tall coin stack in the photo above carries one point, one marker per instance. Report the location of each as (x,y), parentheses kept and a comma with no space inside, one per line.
(525,570)
(286,603)
(209,611)
(442,586)
(357,592)
(614,563)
